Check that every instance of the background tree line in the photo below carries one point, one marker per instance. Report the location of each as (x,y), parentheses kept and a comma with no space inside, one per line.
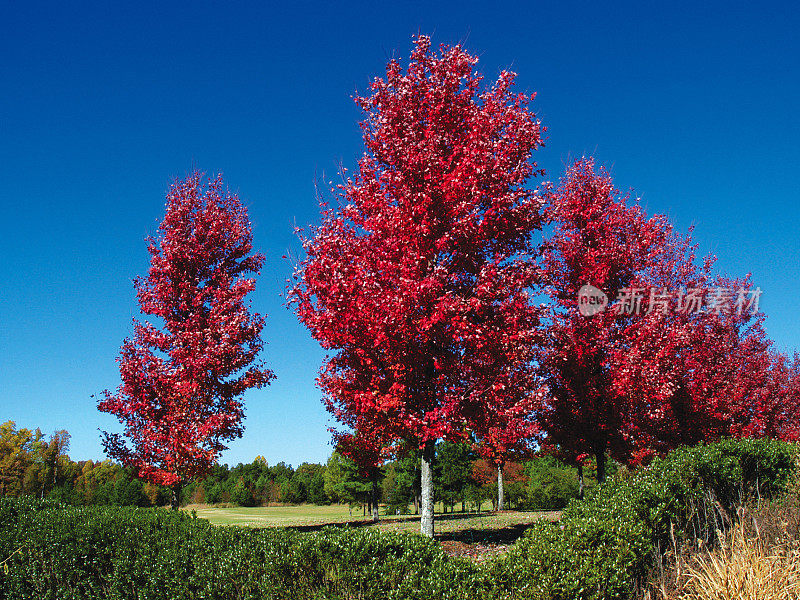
(36,465)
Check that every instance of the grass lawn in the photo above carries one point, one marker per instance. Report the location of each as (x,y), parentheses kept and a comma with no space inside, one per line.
(277,516)
(310,514)
(476,535)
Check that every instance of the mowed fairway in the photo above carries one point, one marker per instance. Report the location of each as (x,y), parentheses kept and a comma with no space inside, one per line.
(475,535)
(278,516)
(310,514)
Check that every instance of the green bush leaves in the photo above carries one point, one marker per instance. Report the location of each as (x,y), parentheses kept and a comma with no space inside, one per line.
(600,549)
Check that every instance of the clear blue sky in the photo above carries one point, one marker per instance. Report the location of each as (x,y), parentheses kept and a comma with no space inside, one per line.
(102,105)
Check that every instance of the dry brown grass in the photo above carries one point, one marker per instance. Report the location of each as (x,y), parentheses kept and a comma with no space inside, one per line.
(745,568)
(758,559)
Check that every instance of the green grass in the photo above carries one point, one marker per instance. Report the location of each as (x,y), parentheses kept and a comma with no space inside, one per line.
(276,516)
(459,528)
(288,516)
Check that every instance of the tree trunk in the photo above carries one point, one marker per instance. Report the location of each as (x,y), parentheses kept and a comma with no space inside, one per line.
(375,500)
(580,481)
(426,477)
(500,495)
(463,505)
(416,504)
(600,456)
(176,495)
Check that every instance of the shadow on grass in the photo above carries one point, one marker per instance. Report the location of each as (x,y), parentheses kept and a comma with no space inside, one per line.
(498,535)
(491,535)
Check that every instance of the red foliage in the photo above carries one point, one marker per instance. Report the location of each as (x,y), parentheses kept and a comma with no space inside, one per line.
(604,240)
(367,453)
(635,384)
(771,408)
(509,428)
(485,472)
(691,377)
(419,283)
(181,383)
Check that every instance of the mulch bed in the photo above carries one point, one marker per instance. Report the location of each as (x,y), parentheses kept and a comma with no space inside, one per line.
(477,552)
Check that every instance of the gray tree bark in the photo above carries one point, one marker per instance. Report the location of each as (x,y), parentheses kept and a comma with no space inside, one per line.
(426,520)
(500,495)
(600,457)
(375,500)
(176,495)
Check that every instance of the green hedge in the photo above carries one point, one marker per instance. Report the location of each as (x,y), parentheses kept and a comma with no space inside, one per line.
(600,549)
(604,545)
(70,553)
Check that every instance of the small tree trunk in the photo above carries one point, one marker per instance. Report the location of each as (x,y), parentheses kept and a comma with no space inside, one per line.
(375,500)
(463,505)
(176,495)
(426,520)
(500,495)
(600,456)
(416,504)
(580,481)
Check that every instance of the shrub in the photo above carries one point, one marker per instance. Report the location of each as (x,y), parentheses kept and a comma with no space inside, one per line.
(603,545)
(551,484)
(60,552)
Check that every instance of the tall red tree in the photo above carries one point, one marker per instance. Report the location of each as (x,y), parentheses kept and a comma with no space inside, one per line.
(605,240)
(672,359)
(772,407)
(424,261)
(696,376)
(509,429)
(182,382)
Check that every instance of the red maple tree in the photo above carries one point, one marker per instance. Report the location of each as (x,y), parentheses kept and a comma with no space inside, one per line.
(771,409)
(728,380)
(604,240)
(424,262)
(694,376)
(509,429)
(672,359)
(182,382)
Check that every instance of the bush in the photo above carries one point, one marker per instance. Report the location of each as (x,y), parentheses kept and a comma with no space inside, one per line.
(399,507)
(551,484)
(59,552)
(603,545)
(760,557)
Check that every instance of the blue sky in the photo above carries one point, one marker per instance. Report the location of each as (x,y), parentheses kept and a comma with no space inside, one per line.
(102,105)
